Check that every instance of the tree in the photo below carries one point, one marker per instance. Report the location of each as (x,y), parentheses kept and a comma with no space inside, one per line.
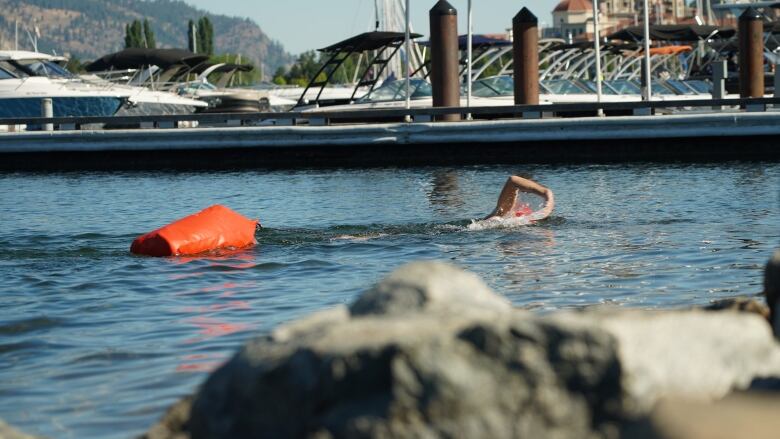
(134,35)
(149,35)
(128,37)
(205,36)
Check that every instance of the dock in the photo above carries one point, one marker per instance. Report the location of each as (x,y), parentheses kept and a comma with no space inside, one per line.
(749,129)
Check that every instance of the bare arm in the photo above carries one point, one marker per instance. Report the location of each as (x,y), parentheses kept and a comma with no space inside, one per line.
(506,200)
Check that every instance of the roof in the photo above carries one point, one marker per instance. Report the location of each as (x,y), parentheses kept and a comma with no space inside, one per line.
(573,6)
(15,55)
(674,32)
(368,41)
(135,58)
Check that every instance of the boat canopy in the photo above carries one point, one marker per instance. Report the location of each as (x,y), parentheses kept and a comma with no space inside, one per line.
(368,41)
(137,57)
(588,45)
(674,32)
(477,42)
(221,68)
(18,55)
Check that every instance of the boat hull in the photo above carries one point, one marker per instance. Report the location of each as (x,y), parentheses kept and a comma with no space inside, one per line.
(81,106)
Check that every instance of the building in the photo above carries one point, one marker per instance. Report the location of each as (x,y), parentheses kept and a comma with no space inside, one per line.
(573,19)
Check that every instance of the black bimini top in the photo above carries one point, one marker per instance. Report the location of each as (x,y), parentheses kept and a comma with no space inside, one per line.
(674,32)
(136,58)
(368,41)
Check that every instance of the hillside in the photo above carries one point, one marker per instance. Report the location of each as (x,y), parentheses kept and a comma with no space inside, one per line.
(88,29)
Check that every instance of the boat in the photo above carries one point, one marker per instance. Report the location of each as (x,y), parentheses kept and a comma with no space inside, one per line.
(135,100)
(26,78)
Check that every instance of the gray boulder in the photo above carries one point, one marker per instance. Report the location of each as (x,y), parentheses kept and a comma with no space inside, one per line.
(431,352)
(693,354)
(414,361)
(426,286)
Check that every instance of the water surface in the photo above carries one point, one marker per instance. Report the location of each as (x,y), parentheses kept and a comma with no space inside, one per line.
(96,343)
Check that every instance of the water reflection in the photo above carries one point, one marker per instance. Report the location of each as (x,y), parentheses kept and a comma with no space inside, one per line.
(445,190)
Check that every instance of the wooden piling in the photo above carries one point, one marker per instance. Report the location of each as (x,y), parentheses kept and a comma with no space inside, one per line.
(444,58)
(751,54)
(525,57)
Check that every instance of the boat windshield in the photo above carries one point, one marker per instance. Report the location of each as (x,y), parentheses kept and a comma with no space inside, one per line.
(396,90)
(49,69)
(5,74)
(679,87)
(562,87)
(701,87)
(661,89)
(193,87)
(624,86)
(493,86)
(591,86)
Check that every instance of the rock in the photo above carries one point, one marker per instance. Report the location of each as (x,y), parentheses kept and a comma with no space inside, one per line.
(772,289)
(432,352)
(426,286)
(695,354)
(418,365)
(174,424)
(743,415)
(8,432)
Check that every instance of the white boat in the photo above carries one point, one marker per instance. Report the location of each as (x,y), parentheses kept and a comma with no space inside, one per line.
(37,69)
(23,86)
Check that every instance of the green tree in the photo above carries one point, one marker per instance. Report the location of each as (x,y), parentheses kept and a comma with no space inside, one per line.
(149,35)
(279,78)
(75,65)
(205,36)
(134,35)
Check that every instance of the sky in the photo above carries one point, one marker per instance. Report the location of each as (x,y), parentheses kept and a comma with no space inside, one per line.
(302,25)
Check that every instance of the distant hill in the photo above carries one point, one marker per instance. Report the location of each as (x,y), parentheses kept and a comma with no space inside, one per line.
(89,29)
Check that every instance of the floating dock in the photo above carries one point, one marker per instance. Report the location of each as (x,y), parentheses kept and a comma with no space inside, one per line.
(688,136)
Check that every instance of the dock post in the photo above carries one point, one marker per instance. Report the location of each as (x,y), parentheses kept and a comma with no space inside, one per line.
(525,57)
(719,74)
(47,110)
(777,81)
(444,58)
(751,54)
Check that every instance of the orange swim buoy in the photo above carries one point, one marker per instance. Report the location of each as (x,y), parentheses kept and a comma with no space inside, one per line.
(213,228)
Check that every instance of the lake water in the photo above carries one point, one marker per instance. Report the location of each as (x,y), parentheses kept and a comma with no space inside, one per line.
(96,343)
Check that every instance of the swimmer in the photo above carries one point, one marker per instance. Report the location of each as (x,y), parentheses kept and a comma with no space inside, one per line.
(505,207)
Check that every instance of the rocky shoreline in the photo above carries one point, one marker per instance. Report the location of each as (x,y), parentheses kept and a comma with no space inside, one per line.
(432,352)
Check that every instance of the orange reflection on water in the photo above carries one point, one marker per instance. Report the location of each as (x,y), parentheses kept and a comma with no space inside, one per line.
(200,363)
(223,287)
(233,304)
(209,328)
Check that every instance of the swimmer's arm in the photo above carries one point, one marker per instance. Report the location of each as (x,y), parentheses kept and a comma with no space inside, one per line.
(533,187)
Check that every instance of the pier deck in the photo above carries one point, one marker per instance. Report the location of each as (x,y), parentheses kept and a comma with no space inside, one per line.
(714,136)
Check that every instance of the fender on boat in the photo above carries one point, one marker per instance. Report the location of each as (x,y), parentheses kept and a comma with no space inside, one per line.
(213,228)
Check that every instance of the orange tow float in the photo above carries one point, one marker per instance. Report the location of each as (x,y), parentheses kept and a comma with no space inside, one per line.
(213,228)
